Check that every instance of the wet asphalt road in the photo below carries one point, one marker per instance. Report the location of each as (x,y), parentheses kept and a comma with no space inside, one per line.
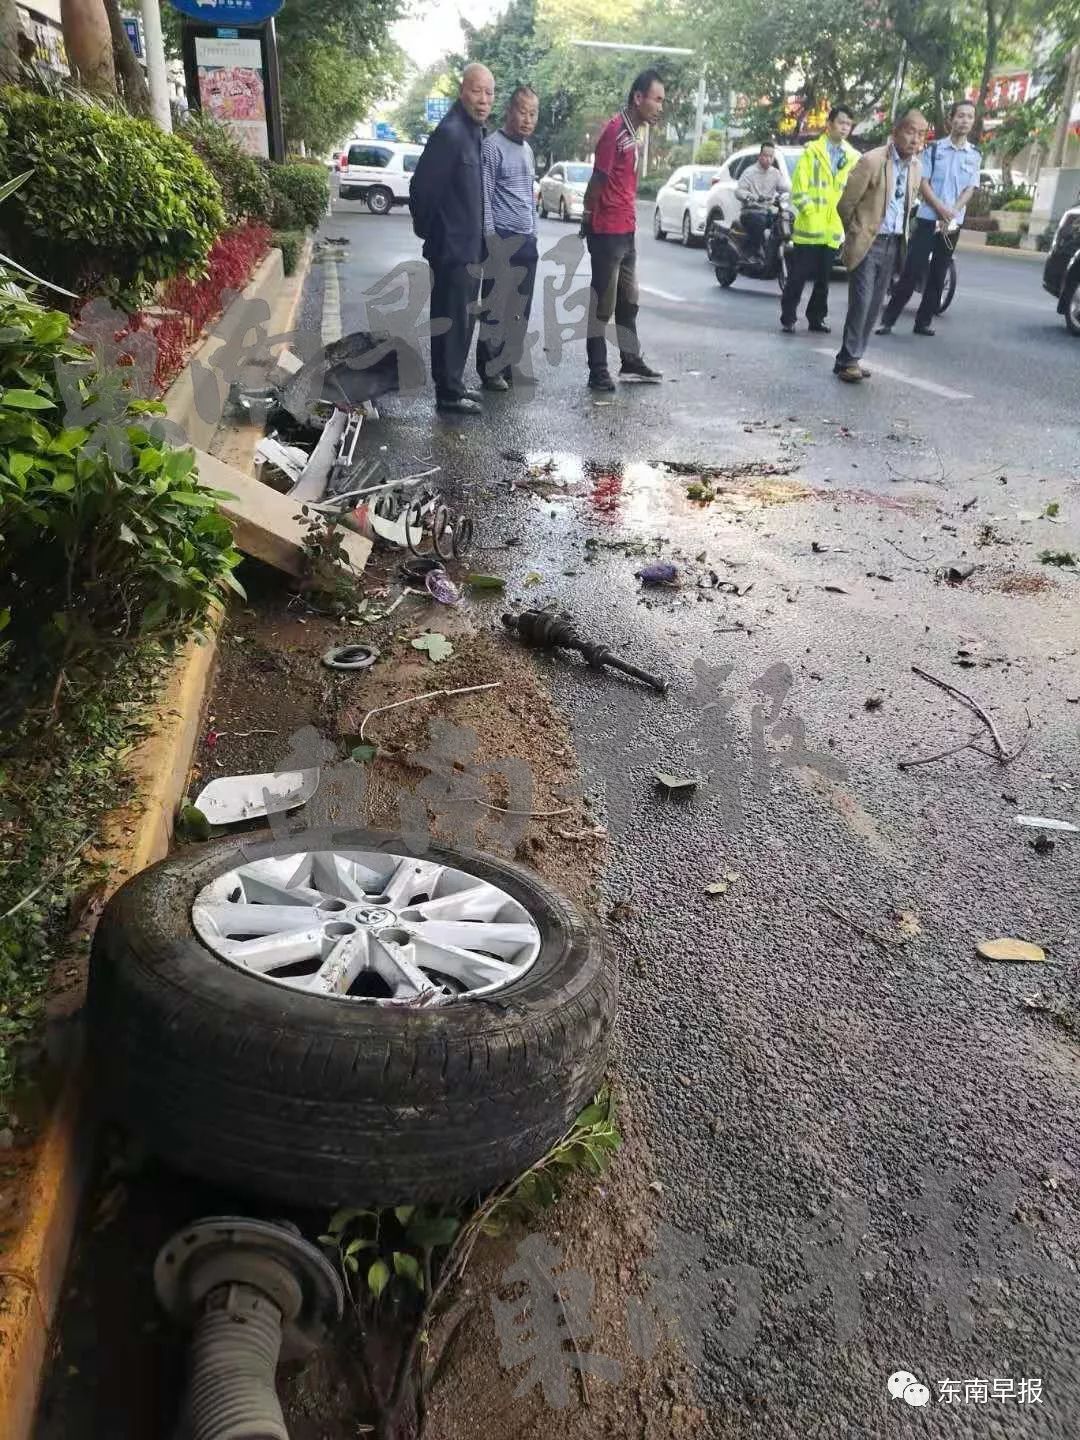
(821,1103)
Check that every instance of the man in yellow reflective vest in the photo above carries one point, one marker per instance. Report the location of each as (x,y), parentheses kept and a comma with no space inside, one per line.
(816,185)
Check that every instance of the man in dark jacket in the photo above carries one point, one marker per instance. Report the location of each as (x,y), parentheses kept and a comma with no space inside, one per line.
(446,198)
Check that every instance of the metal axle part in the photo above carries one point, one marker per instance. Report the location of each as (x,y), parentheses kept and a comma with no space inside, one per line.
(251,1292)
(552,632)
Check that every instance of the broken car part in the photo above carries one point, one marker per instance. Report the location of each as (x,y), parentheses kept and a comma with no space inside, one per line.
(315,1019)
(1040,822)
(251,1293)
(551,632)
(248,797)
(350,657)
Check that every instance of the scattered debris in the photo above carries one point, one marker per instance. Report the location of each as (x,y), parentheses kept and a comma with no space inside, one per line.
(817,547)
(441,588)
(233,798)
(834,589)
(1058,557)
(542,628)
(596,832)
(1040,822)
(428,695)
(533,578)
(908,922)
(289,459)
(436,644)
(1042,845)
(350,657)
(1003,756)
(724,884)
(363,753)
(675,784)
(956,573)
(873,702)
(1053,509)
(661,572)
(859,928)
(1011,950)
(485,582)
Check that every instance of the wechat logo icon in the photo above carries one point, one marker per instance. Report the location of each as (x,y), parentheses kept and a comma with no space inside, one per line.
(907,1387)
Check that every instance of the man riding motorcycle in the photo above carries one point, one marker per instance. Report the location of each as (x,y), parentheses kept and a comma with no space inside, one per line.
(757,190)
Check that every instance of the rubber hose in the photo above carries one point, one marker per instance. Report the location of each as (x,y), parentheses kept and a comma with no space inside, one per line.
(234,1354)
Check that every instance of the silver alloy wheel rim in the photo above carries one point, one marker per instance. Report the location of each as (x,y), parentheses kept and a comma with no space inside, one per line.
(367,926)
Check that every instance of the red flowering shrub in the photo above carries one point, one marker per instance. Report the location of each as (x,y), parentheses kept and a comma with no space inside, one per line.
(189,305)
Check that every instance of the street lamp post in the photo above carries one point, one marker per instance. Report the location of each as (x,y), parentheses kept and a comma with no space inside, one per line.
(656,50)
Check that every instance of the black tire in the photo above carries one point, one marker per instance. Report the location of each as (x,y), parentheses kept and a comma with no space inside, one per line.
(1070,302)
(346,192)
(687,231)
(564,213)
(727,266)
(948,289)
(782,269)
(659,233)
(298,1099)
(542,208)
(380,200)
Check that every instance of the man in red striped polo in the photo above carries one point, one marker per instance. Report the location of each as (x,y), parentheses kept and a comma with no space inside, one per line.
(609,223)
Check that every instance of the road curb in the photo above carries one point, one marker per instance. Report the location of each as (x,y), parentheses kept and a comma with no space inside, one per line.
(970,247)
(34,1260)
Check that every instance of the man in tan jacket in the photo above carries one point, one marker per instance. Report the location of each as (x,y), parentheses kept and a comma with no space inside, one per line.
(874,209)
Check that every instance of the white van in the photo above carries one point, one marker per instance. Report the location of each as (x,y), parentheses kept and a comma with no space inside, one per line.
(378,171)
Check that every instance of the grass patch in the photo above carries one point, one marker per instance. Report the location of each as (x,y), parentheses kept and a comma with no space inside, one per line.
(55,786)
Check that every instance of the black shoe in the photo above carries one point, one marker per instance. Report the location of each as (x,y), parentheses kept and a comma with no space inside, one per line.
(476,395)
(458,405)
(634,368)
(821,329)
(787,329)
(495,382)
(601,380)
(883,330)
(924,330)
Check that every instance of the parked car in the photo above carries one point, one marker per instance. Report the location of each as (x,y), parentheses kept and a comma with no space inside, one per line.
(1061,273)
(720,202)
(562,190)
(378,172)
(681,203)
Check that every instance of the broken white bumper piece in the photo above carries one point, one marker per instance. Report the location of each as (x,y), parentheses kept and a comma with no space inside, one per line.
(248,797)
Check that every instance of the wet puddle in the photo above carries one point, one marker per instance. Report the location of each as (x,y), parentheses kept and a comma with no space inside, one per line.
(642,493)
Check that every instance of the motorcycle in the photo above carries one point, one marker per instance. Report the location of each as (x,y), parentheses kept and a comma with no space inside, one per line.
(732,253)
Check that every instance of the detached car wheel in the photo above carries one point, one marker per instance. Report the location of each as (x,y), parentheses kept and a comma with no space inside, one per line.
(349,1023)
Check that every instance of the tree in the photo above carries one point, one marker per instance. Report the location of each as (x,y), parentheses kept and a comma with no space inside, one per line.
(136,92)
(88,42)
(998,15)
(9,42)
(839,51)
(410,116)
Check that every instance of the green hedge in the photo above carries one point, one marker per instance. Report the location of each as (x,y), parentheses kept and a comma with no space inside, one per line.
(245,188)
(106,537)
(113,204)
(290,243)
(300,195)
(1004,240)
(1022,204)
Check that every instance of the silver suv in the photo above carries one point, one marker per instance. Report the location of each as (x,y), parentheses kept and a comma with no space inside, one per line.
(378,171)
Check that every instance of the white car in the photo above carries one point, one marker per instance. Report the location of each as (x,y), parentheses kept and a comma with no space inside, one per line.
(562,190)
(681,203)
(378,171)
(720,203)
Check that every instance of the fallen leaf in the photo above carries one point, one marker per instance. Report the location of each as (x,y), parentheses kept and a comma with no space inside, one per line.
(717,887)
(1052,510)
(1009,949)
(436,644)
(908,922)
(485,582)
(193,823)
(1058,557)
(533,578)
(363,753)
